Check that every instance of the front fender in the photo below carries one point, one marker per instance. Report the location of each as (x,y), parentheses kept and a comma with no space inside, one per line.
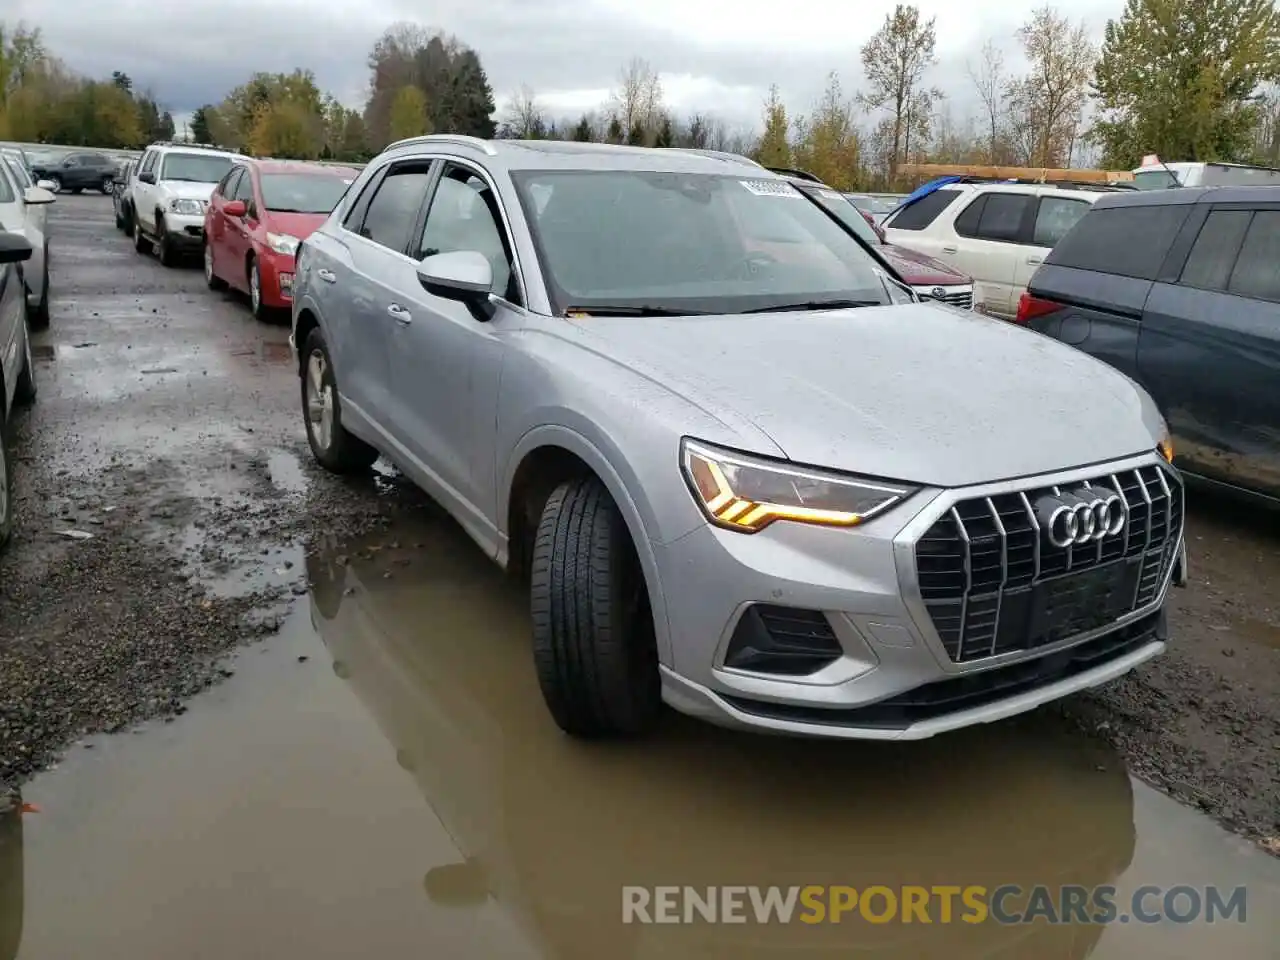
(620,480)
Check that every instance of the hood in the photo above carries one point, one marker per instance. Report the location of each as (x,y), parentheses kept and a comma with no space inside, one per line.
(917,392)
(186,190)
(300,225)
(919,269)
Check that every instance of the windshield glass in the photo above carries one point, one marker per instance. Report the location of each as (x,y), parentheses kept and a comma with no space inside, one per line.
(697,242)
(194,167)
(302,192)
(1155,180)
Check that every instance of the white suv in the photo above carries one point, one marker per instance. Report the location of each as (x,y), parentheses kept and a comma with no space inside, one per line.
(168,193)
(997,233)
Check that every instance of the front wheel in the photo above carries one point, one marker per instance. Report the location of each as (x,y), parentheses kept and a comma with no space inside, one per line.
(57,184)
(164,245)
(261,311)
(593,640)
(38,317)
(25,389)
(6,483)
(212,279)
(140,241)
(108,185)
(333,447)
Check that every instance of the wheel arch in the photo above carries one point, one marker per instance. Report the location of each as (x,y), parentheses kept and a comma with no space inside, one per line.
(543,459)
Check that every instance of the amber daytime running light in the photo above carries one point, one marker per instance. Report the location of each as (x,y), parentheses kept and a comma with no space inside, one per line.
(746,494)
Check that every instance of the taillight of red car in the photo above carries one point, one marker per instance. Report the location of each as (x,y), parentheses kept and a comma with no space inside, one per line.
(1030,307)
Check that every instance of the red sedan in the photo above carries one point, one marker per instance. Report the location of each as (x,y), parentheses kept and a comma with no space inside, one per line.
(255,220)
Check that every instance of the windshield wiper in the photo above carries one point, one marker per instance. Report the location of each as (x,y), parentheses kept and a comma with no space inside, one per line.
(640,310)
(817,305)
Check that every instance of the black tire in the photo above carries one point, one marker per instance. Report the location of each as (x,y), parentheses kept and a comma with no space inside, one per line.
(346,453)
(107,186)
(140,241)
(128,221)
(38,316)
(6,483)
(164,246)
(213,281)
(76,191)
(24,391)
(593,642)
(261,312)
(119,220)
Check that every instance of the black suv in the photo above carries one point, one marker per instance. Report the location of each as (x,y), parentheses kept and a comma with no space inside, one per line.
(79,171)
(1180,289)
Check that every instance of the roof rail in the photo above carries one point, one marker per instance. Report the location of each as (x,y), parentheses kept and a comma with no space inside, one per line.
(459,138)
(792,172)
(190,144)
(1060,184)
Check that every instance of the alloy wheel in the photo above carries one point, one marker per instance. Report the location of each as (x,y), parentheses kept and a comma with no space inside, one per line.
(208,263)
(255,289)
(319,401)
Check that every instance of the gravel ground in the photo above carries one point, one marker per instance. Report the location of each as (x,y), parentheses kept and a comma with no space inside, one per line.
(167,430)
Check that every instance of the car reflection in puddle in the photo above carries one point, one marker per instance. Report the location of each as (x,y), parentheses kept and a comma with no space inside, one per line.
(435,642)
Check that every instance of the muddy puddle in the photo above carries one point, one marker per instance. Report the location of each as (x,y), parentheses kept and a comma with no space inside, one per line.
(381,779)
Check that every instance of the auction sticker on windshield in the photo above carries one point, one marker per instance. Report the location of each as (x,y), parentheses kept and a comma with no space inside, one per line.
(771,188)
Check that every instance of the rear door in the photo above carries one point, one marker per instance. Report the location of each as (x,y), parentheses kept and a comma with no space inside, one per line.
(1210,348)
(218,225)
(1053,218)
(989,237)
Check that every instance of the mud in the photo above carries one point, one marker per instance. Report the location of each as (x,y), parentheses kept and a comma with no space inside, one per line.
(368,766)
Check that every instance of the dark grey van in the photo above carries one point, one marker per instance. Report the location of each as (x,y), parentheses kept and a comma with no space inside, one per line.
(1180,289)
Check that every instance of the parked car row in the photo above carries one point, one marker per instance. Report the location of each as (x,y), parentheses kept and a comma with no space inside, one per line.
(742,470)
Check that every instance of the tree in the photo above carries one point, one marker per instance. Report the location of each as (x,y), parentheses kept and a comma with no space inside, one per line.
(583,132)
(637,101)
(636,136)
(666,136)
(695,135)
(122,81)
(1181,78)
(614,133)
(1048,103)
(200,132)
(773,149)
(826,143)
(895,60)
(284,129)
(409,113)
(524,117)
(989,80)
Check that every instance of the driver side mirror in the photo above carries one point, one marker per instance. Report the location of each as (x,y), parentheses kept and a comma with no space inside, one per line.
(38,195)
(147,176)
(235,208)
(14,248)
(463,275)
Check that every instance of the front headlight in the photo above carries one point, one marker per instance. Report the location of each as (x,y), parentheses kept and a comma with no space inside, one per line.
(282,243)
(188,208)
(747,494)
(1165,446)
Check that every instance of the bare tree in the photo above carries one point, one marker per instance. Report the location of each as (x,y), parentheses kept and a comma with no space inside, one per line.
(638,99)
(1049,101)
(524,117)
(895,60)
(989,80)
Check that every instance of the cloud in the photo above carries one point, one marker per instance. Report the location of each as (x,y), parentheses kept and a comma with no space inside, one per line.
(714,57)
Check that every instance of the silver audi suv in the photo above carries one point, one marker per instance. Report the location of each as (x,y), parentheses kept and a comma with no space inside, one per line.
(740,471)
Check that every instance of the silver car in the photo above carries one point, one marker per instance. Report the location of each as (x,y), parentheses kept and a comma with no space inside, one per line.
(17,373)
(737,473)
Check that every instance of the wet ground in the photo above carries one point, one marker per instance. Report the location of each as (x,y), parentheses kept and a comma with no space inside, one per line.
(368,766)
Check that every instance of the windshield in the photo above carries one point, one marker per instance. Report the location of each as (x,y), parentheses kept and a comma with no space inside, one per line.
(1155,180)
(700,243)
(302,192)
(194,167)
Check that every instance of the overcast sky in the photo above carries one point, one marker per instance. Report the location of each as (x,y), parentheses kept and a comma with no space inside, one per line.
(569,52)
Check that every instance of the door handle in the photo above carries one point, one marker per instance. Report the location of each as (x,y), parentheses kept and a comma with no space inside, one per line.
(400,314)
(328,276)
(949,249)
(1035,260)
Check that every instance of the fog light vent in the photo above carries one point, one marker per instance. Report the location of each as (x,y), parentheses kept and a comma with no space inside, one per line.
(784,640)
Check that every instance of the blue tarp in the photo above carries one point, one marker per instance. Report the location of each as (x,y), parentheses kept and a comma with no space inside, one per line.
(925,190)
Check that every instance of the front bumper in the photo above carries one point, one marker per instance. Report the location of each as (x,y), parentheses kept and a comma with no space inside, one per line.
(184,230)
(959,295)
(277,273)
(890,672)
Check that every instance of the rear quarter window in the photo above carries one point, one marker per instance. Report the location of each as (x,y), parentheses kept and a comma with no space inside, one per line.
(1124,241)
(923,212)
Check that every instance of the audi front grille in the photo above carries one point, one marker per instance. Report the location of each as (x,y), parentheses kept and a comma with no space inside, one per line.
(995,580)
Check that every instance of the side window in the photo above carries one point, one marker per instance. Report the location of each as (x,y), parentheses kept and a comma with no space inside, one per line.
(924,211)
(1214,252)
(967,223)
(1055,217)
(1128,240)
(71,161)
(1255,274)
(1002,217)
(148,161)
(394,207)
(228,184)
(243,188)
(464,216)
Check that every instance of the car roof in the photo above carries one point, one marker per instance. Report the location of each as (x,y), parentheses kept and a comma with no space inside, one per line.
(1252,193)
(301,166)
(515,155)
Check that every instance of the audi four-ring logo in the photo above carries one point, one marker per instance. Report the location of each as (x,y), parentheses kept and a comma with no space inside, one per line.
(1076,519)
